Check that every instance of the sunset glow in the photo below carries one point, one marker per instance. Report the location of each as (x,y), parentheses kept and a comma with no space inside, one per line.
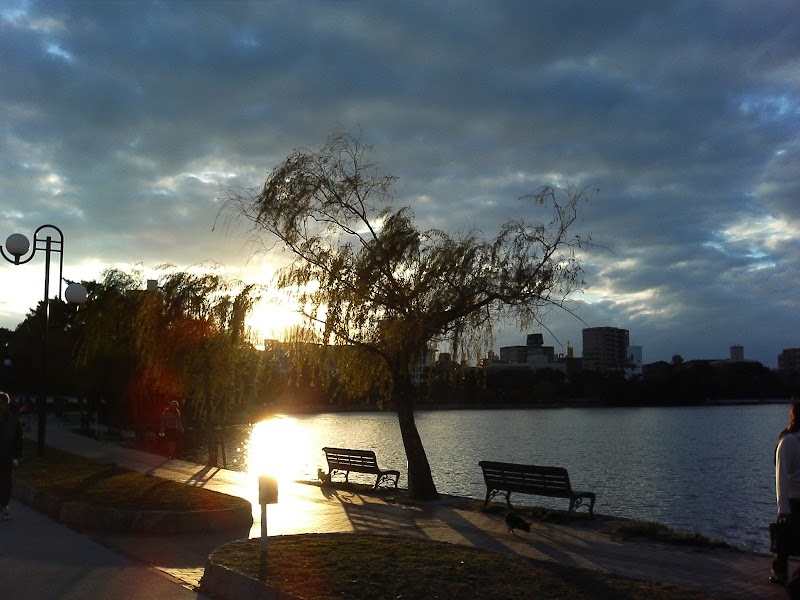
(271,320)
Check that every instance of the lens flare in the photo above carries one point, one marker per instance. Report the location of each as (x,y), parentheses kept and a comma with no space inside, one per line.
(276,447)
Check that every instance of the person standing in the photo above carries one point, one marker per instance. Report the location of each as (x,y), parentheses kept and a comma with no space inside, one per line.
(171,427)
(787,490)
(10,451)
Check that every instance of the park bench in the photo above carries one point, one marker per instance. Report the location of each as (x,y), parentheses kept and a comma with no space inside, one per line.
(505,478)
(346,461)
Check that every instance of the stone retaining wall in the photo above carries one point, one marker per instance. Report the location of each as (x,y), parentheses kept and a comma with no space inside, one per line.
(224,584)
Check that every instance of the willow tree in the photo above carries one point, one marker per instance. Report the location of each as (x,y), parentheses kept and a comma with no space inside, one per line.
(184,340)
(366,278)
(193,327)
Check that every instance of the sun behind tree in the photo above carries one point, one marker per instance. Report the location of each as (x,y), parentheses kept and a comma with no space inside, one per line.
(366,278)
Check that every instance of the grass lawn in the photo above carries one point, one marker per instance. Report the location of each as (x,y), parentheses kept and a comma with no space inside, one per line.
(359,567)
(70,477)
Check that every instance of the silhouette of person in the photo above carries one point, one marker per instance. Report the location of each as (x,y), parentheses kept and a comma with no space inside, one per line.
(10,451)
(171,427)
(787,490)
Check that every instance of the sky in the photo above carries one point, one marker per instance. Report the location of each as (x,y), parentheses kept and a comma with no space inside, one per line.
(122,123)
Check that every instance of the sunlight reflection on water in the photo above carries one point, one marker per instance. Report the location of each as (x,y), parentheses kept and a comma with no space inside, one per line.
(276,447)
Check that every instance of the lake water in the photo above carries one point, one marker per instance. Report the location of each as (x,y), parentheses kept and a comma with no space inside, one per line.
(706,469)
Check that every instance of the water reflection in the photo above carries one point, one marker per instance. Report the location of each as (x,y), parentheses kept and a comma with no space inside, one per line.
(277,447)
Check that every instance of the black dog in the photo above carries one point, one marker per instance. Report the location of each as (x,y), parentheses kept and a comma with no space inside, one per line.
(516,522)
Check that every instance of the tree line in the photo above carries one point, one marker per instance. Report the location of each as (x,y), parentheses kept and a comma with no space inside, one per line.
(131,350)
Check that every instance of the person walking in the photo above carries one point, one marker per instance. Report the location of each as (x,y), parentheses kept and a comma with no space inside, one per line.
(171,427)
(10,451)
(787,491)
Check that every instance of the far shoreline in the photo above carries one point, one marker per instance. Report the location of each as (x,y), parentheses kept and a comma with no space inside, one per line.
(588,403)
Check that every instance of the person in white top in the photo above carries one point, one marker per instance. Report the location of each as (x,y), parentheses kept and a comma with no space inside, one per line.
(787,487)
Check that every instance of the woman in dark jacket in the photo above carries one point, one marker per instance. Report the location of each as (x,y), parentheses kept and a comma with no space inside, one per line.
(10,451)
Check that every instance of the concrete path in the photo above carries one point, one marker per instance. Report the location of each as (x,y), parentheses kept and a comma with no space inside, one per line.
(43,560)
(58,562)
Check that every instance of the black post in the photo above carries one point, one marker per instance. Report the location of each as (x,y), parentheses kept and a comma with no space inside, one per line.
(42,415)
(16,256)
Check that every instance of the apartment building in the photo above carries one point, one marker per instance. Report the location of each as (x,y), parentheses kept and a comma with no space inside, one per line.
(789,359)
(605,349)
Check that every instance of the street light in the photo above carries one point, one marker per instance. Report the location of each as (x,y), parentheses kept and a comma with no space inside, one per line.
(50,239)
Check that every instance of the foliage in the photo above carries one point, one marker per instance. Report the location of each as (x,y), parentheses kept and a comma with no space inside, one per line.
(360,567)
(366,278)
(697,381)
(186,341)
(23,349)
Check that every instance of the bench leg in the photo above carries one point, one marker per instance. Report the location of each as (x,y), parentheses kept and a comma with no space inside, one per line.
(576,502)
(381,477)
(492,493)
(332,472)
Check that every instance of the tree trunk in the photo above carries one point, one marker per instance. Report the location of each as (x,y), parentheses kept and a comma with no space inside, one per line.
(420,479)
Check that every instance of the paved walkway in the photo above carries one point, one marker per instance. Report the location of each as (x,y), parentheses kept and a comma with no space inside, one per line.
(56,562)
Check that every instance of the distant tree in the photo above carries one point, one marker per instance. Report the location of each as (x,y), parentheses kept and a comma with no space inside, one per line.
(105,352)
(193,326)
(24,350)
(365,276)
(186,340)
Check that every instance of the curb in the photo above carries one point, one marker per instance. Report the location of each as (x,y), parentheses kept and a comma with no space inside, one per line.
(86,516)
(224,584)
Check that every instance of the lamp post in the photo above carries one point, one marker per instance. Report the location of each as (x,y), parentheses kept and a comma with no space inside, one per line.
(50,239)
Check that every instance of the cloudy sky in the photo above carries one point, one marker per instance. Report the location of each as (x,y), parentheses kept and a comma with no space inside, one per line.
(121,122)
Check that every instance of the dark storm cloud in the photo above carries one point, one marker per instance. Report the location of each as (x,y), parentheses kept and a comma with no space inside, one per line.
(123,121)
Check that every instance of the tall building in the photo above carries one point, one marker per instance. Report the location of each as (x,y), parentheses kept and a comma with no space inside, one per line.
(419,367)
(514,354)
(537,351)
(533,353)
(737,352)
(634,366)
(535,340)
(789,359)
(605,349)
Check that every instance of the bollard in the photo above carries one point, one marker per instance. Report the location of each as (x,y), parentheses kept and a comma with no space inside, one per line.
(267,494)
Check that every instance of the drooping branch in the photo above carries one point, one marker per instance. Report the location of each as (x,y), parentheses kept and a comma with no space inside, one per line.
(368,278)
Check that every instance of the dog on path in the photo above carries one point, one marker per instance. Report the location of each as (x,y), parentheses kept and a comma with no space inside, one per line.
(516,522)
(324,478)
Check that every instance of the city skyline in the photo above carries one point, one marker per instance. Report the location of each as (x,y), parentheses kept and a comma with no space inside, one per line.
(732,352)
(123,123)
